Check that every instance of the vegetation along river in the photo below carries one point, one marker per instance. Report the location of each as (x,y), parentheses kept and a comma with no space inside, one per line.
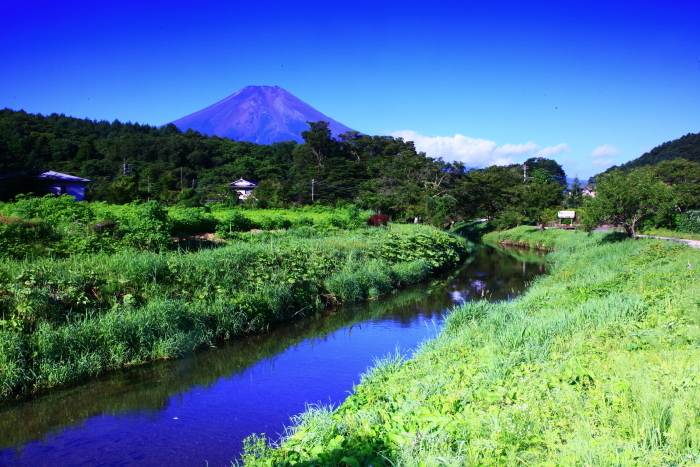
(196,411)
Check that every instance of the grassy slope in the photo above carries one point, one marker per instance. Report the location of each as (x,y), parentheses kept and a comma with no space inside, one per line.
(597,365)
(64,320)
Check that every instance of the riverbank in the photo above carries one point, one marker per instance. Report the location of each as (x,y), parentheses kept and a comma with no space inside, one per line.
(595,365)
(72,319)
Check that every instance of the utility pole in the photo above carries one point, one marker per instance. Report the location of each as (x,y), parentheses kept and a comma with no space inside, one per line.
(313,182)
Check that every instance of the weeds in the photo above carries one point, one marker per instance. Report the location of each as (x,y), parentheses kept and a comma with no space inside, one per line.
(70,319)
(596,365)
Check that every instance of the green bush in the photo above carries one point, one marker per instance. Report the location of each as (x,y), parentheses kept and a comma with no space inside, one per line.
(689,222)
(21,238)
(53,209)
(276,222)
(236,221)
(192,221)
(148,228)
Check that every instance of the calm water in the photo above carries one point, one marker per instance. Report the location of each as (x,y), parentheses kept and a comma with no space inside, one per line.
(197,411)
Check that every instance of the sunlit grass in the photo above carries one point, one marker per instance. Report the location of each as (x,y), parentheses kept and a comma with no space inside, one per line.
(596,365)
(73,318)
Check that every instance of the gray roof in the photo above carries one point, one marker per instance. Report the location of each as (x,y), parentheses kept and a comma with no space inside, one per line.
(62,177)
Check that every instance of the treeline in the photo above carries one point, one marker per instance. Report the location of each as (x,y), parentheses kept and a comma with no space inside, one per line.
(686,147)
(129,161)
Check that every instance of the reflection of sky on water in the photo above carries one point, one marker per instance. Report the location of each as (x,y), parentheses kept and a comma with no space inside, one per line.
(459,297)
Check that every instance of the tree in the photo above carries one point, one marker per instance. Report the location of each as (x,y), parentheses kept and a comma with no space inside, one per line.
(574,198)
(318,140)
(549,165)
(683,176)
(489,192)
(625,199)
(272,192)
(540,197)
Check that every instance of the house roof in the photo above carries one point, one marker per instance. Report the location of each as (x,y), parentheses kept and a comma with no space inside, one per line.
(242,182)
(63,177)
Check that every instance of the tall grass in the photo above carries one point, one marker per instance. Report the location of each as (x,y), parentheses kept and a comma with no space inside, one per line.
(596,365)
(65,320)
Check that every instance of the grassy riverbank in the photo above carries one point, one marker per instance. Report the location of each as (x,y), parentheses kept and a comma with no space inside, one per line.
(596,365)
(73,318)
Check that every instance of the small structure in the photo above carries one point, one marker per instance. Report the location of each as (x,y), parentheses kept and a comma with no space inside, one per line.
(243,187)
(570,217)
(588,190)
(64,184)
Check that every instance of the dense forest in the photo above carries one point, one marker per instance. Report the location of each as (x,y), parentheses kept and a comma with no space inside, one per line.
(685,147)
(130,161)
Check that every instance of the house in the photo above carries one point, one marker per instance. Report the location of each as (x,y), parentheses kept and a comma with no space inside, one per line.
(64,184)
(588,190)
(243,187)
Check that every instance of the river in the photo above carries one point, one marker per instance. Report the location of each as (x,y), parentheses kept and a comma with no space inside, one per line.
(196,411)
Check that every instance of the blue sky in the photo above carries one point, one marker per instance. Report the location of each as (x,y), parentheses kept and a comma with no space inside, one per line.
(589,84)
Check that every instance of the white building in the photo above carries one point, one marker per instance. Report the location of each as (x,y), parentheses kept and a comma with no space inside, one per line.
(243,187)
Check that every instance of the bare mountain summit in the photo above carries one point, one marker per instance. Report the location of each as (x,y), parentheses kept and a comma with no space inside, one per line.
(259,114)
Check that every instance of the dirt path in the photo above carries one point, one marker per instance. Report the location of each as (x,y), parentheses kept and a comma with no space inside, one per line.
(691,243)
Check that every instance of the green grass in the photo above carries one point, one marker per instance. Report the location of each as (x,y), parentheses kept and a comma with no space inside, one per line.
(71,319)
(671,234)
(596,365)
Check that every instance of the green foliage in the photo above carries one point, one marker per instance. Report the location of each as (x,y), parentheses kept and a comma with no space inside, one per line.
(236,221)
(544,170)
(149,228)
(379,173)
(686,147)
(21,238)
(82,315)
(689,222)
(625,199)
(192,221)
(595,365)
(574,198)
(52,209)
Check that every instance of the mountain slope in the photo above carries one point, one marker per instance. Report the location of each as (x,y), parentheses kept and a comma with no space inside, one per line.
(687,147)
(259,114)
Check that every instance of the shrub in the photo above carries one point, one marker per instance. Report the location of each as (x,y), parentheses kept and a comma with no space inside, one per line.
(332,221)
(274,222)
(192,221)
(302,221)
(149,228)
(508,220)
(20,238)
(377,219)
(235,222)
(689,222)
(53,209)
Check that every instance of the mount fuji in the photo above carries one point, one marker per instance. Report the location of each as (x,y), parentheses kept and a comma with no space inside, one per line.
(259,114)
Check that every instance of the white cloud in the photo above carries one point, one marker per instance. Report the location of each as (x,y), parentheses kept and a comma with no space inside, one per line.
(605,150)
(476,152)
(553,150)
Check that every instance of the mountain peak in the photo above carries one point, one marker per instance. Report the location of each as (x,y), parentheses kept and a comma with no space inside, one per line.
(259,114)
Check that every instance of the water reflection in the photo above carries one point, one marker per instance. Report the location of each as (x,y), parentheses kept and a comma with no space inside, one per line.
(198,409)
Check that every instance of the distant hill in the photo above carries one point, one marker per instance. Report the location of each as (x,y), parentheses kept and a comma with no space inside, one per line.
(259,114)
(687,147)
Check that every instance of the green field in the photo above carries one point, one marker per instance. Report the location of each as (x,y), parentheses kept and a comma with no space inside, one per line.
(596,365)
